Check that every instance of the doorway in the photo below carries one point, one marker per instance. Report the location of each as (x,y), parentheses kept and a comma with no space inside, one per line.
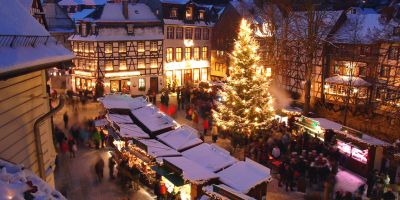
(154,84)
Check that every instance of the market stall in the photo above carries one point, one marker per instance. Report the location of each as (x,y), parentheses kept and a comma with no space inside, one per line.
(152,120)
(363,153)
(114,101)
(182,138)
(247,177)
(183,176)
(223,192)
(210,156)
(316,126)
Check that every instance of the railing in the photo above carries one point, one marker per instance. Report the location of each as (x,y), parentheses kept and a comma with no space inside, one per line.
(25,40)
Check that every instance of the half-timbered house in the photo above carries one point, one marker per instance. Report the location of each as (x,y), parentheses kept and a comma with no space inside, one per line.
(123,49)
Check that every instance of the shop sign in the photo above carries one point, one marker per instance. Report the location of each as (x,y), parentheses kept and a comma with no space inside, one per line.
(309,122)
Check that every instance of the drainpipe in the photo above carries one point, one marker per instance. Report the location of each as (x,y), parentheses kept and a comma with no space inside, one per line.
(38,141)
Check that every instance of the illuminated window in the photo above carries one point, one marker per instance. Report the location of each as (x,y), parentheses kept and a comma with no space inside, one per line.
(204,53)
(109,65)
(153,46)
(115,86)
(86,47)
(153,63)
(393,53)
(385,70)
(201,14)
(206,34)
(174,13)
(197,33)
(196,75)
(188,53)
(75,46)
(189,13)
(91,47)
(196,53)
(130,29)
(170,32)
(140,46)
(122,65)
(170,52)
(80,47)
(108,48)
(179,33)
(142,84)
(188,33)
(204,74)
(178,54)
(78,83)
(141,64)
(122,47)
(125,86)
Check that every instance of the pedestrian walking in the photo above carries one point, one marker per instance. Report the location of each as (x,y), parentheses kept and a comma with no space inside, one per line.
(72,147)
(178,98)
(214,133)
(371,180)
(111,165)
(96,139)
(102,139)
(282,173)
(65,118)
(99,167)
(205,125)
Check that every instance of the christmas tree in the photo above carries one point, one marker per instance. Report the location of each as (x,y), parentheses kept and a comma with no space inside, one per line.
(247,104)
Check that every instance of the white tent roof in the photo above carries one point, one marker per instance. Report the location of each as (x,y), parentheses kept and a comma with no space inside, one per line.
(328,124)
(191,170)
(131,131)
(244,175)
(157,149)
(345,80)
(153,119)
(123,119)
(181,138)
(116,101)
(212,157)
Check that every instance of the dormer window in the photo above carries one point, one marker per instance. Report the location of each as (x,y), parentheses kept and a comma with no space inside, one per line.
(174,13)
(130,29)
(396,31)
(189,13)
(201,14)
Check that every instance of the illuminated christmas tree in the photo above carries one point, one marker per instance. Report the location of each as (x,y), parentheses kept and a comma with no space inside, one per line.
(247,104)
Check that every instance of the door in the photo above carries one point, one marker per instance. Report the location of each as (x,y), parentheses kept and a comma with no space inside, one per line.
(154,84)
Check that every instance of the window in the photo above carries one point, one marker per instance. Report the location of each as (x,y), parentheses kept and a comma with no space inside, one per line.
(206,34)
(114,86)
(196,53)
(81,47)
(174,13)
(84,29)
(75,46)
(365,50)
(170,32)
(153,63)
(385,70)
(109,65)
(141,64)
(108,48)
(142,84)
(130,29)
(396,31)
(201,14)
(393,53)
(189,13)
(140,46)
(91,47)
(188,33)
(122,65)
(125,86)
(170,52)
(178,54)
(204,53)
(197,33)
(122,47)
(362,71)
(86,47)
(153,46)
(188,53)
(179,33)
(336,69)
(78,83)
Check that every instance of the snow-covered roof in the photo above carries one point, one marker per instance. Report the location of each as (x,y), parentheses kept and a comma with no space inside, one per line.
(117,101)
(182,23)
(82,2)
(121,119)
(22,56)
(345,80)
(81,14)
(100,122)
(175,1)
(152,118)
(131,131)
(209,189)
(13,183)
(327,124)
(157,149)
(120,34)
(212,157)
(244,175)
(190,170)
(364,139)
(138,12)
(181,138)
(27,4)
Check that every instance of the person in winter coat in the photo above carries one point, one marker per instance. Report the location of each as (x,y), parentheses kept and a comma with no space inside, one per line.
(72,146)
(96,139)
(214,133)
(163,191)
(99,167)
(205,125)
(65,118)
(111,165)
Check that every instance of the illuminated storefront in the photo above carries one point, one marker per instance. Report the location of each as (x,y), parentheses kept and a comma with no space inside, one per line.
(184,190)
(186,72)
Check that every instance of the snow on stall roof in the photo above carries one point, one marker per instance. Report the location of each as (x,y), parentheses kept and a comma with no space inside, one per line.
(82,2)
(120,34)
(13,183)
(157,149)
(175,1)
(365,139)
(244,175)
(138,12)
(328,124)
(212,157)
(27,4)
(344,80)
(182,23)
(152,118)
(117,101)
(181,138)
(81,14)
(117,118)
(131,131)
(190,170)
(209,190)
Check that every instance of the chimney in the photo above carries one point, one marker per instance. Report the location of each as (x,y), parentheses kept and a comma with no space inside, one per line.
(125,8)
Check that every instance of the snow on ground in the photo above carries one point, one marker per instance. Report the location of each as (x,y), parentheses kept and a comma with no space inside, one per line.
(347,181)
(14,182)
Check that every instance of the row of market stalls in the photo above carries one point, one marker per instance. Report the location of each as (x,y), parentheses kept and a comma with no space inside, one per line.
(165,151)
